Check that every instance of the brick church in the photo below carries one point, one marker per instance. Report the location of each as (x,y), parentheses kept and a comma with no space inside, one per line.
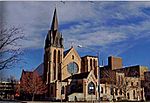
(70,77)
(67,75)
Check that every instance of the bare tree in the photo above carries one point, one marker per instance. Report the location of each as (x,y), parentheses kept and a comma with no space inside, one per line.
(9,46)
(2,75)
(127,85)
(123,83)
(109,77)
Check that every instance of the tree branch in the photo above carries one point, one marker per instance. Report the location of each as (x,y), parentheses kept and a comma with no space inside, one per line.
(9,46)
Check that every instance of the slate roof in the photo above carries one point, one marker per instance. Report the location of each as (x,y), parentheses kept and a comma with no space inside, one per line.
(40,69)
(66,52)
(89,56)
(78,76)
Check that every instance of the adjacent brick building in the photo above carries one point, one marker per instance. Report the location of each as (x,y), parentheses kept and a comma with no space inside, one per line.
(122,83)
(146,84)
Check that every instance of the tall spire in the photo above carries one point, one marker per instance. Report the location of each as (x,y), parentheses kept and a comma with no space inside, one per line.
(54,25)
(54,37)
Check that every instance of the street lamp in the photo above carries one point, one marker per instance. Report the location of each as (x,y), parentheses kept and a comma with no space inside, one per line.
(80,46)
(98,53)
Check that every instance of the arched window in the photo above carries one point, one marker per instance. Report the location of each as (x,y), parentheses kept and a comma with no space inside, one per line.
(54,64)
(116,91)
(59,56)
(72,57)
(91,63)
(73,68)
(95,68)
(62,90)
(128,95)
(131,83)
(134,94)
(94,63)
(91,88)
(137,83)
(59,65)
(54,57)
(111,90)
(102,90)
(120,91)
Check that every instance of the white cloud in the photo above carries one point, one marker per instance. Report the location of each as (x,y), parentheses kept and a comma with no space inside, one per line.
(90,27)
(35,17)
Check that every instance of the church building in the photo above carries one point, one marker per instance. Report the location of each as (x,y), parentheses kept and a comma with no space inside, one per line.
(68,76)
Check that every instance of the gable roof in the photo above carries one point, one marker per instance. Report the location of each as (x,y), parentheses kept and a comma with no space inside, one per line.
(66,52)
(71,50)
(89,56)
(91,75)
(30,73)
(40,69)
(26,72)
(78,76)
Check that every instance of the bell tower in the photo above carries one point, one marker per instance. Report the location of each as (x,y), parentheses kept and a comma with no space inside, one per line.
(53,53)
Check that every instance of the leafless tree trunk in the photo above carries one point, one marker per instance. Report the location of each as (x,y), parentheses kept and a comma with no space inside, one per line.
(33,96)
(10,50)
(33,84)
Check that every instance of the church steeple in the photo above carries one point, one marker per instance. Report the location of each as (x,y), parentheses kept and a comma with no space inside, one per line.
(54,37)
(54,25)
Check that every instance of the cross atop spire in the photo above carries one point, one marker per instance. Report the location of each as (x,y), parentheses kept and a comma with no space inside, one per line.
(54,25)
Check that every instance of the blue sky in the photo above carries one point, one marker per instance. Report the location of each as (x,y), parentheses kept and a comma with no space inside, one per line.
(113,28)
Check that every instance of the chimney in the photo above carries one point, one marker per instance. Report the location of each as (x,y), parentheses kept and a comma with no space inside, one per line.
(114,62)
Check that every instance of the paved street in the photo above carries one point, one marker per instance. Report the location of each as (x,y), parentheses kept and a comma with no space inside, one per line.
(39,102)
(50,102)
